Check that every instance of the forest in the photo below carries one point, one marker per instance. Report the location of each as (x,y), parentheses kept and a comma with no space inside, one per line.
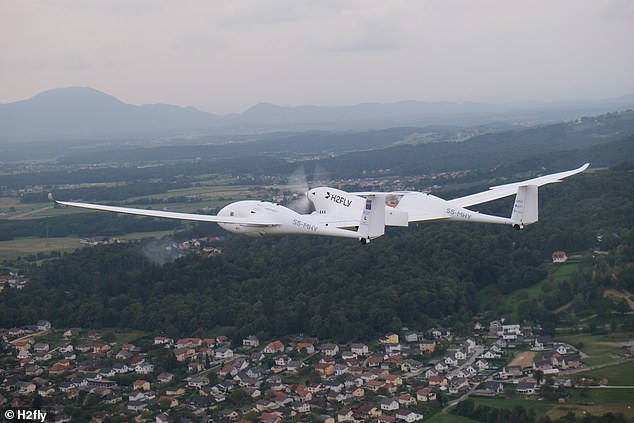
(336,289)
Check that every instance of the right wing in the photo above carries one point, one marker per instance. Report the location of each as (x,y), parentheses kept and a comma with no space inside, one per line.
(168,215)
(502,191)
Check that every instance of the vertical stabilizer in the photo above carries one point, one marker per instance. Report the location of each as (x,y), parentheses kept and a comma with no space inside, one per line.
(372,223)
(525,209)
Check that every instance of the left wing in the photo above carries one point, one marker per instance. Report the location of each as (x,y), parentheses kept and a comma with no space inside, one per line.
(169,215)
(501,191)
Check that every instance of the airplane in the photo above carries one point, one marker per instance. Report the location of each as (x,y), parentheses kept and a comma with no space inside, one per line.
(337,213)
(260,218)
(416,207)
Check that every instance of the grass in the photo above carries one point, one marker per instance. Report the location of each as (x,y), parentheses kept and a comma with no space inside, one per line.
(540,407)
(10,250)
(448,418)
(21,247)
(604,400)
(600,349)
(617,375)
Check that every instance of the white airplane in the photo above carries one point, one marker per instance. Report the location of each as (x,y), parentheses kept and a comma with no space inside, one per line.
(259,218)
(415,207)
(339,212)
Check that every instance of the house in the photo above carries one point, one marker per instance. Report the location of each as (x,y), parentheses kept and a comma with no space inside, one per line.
(325,369)
(274,347)
(559,257)
(250,341)
(391,349)
(183,354)
(140,385)
(71,332)
(144,368)
(425,394)
(437,381)
(41,347)
(197,381)
(427,347)
(43,325)
(223,353)
(406,399)
(359,349)
(389,338)
(375,360)
(189,343)
(492,387)
(410,336)
(165,377)
(511,371)
(162,340)
(431,372)
(25,388)
(137,406)
(345,415)
(330,350)
(408,416)
(308,347)
(389,404)
(542,342)
(526,388)
(460,355)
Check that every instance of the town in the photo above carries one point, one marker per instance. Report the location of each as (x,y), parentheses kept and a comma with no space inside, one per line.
(404,376)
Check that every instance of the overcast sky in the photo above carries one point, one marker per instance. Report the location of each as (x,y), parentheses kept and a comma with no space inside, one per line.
(225,56)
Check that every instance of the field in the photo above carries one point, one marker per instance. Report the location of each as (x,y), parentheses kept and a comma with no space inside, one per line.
(27,246)
(523,359)
(540,407)
(604,400)
(601,349)
(617,375)
(21,247)
(448,418)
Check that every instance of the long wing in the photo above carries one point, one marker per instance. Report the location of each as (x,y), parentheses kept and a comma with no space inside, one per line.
(169,215)
(501,191)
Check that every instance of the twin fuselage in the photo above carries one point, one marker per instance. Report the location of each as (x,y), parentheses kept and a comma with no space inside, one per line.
(337,213)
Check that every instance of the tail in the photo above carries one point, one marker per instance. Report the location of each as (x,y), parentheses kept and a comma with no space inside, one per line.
(372,223)
(525,209)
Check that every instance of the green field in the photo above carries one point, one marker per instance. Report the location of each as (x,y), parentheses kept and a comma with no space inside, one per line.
(448,418)
(600,401)
(540,407)
(21,247)
(617,375)
(600,349)
(14,248)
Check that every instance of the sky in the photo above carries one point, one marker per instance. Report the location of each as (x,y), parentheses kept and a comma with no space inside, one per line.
(224,56)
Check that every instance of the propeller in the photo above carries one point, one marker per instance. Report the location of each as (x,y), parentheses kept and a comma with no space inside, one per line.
(298,185)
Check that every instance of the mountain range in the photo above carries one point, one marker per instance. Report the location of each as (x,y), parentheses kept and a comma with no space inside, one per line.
(80,112)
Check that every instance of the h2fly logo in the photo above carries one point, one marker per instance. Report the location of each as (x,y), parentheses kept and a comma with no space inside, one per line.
(338,199)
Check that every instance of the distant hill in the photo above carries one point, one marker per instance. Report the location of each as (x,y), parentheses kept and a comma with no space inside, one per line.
(85,112)
(79,112)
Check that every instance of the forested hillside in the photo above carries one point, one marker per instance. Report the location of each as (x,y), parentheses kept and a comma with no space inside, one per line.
(339,289)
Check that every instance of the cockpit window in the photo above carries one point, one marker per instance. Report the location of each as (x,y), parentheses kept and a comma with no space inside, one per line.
(393,200)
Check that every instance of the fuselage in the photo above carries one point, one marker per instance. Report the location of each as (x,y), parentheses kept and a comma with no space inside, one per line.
(279,220)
